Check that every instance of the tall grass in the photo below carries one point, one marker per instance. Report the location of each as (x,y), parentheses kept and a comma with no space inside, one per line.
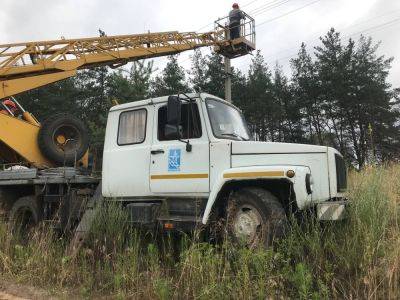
(355,258)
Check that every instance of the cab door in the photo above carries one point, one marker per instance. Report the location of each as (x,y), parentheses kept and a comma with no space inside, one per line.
(173,169)
(126,155)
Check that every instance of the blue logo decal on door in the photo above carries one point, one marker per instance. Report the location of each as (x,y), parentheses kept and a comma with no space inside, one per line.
(174,160)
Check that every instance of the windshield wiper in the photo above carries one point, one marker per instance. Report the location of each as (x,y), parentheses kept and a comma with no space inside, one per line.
(234,135)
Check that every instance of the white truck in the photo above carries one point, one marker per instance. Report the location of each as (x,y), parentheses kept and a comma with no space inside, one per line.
(184,161)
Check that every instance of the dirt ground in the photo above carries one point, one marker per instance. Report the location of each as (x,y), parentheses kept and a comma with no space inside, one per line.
(10,290)
(13,291)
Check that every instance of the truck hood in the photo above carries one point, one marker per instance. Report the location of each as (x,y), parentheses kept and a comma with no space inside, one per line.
(250,147)
(246,154)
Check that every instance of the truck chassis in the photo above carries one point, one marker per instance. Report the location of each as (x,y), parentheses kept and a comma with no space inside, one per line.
(66,196)
(56,195)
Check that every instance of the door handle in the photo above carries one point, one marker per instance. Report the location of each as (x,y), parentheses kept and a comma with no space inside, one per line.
(158,151)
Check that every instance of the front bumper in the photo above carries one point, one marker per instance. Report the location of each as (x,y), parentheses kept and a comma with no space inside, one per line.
(332,210)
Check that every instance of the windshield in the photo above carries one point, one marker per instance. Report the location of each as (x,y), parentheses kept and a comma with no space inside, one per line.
(226,121)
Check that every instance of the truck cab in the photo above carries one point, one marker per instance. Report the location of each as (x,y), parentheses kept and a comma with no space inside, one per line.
(189,160)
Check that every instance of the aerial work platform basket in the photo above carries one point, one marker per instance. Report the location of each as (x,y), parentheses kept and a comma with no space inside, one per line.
(242,45)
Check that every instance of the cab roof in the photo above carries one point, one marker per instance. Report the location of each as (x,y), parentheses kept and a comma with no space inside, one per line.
(163,99)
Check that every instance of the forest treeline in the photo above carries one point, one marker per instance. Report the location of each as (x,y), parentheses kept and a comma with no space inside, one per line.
(337,95)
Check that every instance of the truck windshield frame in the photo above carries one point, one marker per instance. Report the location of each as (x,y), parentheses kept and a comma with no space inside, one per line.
(227,122)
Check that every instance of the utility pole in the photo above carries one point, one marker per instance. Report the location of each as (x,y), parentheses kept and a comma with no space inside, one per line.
(228,80)
(371,137)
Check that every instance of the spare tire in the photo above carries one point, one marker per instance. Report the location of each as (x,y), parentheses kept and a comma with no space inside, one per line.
(63,139)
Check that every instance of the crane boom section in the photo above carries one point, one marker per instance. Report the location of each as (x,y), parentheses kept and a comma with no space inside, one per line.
(24,66)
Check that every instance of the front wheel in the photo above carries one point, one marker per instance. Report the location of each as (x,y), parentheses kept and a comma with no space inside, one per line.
(255,218)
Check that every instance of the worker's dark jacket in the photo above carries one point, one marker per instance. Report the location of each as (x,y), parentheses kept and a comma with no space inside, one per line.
(235,15)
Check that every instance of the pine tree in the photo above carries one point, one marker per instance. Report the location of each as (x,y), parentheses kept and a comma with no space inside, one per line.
(60,97)
(239,89)
(139,78)
(357,99)
(94,103)
(215,75)
(197,73)
(171,81)
(260,106)
(376,109)
(306,93)
(333,66)
(132,86)
(289,118)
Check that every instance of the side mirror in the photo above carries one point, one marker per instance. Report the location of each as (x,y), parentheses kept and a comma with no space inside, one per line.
(174,111)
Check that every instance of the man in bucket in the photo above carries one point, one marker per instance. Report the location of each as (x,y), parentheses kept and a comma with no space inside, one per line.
(235,15)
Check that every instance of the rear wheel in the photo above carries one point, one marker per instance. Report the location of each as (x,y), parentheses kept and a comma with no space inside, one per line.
(255,218)
(63,139)
(24,215)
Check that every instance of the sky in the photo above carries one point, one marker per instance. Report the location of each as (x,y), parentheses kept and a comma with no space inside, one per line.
(281,25)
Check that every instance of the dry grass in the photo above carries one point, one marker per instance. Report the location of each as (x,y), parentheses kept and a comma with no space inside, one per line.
(357,258)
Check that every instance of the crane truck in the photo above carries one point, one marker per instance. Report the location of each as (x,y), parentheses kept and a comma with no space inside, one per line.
(174,162)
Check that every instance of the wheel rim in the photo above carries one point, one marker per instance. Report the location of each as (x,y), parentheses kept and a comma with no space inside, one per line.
(247,224)
(67,138)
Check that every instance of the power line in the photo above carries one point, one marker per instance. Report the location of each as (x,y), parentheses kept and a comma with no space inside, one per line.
(288,13)
(386,24)
(264,9)
(272,4)
(249,3)
(313,39)
(376,27)
(258,10)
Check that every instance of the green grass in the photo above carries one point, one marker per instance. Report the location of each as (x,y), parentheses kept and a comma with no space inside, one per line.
(356,258)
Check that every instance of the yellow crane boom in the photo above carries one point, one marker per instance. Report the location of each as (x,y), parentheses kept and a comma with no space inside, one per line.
(25,66)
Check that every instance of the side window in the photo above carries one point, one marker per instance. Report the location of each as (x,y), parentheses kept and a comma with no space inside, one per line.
(132,127)
(190,122)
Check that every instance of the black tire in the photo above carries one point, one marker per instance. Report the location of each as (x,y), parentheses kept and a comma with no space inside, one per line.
(74,134)
(25,214)
(255,218)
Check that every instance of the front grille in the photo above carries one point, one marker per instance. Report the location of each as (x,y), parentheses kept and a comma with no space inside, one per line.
(341,174)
